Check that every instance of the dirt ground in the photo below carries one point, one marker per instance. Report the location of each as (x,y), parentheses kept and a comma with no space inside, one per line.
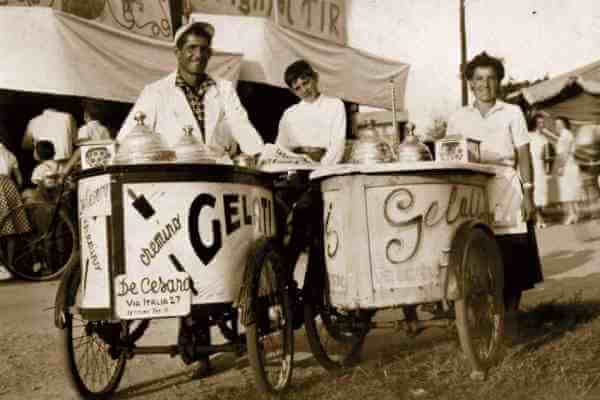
(555,358)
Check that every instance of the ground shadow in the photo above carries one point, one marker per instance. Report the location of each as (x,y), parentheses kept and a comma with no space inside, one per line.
(550,320)
(562,261)
(221,363)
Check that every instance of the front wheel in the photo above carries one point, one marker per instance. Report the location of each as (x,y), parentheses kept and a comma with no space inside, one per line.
(46,249)
(480,310)
(95,357)
(270,336)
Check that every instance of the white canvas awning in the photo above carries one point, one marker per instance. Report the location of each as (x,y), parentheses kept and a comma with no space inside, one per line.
(47,51)
(344,72)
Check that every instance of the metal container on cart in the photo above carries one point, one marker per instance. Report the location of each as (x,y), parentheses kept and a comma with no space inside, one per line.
(408,234)
(144,228)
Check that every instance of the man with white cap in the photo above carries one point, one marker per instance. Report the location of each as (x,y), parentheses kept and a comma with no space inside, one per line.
(189,96)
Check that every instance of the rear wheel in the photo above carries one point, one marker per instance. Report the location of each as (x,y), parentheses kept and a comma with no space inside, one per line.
(95,356)
(335,337)
(480,310)
(44,251)
(270,336)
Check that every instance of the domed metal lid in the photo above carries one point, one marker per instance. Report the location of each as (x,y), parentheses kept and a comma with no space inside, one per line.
(370,148)
(412,149)
(142,145)
(189,150)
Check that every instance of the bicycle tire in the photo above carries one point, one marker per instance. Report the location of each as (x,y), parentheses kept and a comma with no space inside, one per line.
(82,336)
(43,252)
(271,335)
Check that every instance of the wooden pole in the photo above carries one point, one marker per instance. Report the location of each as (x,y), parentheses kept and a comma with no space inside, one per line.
(176,7)
(463,53)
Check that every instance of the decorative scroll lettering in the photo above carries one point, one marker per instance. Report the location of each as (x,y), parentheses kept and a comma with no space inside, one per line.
(461,204)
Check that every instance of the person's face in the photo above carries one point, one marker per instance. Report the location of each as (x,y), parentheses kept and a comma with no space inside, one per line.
(539,123)
(484,84)
(559,124)
(305,87)
(194,54)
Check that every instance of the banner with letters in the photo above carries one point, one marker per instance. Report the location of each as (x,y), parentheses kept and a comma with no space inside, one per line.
(325,19)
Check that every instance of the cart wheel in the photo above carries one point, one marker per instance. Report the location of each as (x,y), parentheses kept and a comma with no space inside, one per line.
(95,363)
(480,310)
(335,338)
(44,251)
(270,336)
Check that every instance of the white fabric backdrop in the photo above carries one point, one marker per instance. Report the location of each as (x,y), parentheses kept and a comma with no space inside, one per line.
(47,51)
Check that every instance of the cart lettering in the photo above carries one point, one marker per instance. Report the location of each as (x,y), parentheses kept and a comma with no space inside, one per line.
(91,197)
(235,215)
(465,206)
(159,285)
(91,246)
(460,205)
(160,239)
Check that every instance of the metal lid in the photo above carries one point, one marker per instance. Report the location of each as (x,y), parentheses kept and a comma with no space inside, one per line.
(411,149)
(190,150)
(142,145)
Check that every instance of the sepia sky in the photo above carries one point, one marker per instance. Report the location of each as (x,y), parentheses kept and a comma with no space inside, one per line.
(534,37)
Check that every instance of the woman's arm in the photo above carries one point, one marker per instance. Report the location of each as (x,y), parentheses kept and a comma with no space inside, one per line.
(526,172)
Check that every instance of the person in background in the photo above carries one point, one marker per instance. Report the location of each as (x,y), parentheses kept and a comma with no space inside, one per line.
(47,171)
(92,130)
(502,130)
(317,120)
(55,126)
(566,170)
(10,199)
(45,175)
(190,97)
(538,147)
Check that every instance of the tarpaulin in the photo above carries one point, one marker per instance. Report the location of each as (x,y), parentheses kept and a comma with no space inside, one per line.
(47,51)
(575,94)
(344,72)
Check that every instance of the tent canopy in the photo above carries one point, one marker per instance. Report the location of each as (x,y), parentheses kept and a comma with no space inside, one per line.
(344,72)
(47,51)
(575,94)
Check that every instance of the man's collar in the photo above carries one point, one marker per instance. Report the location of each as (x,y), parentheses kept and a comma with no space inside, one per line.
(499,105)
(207,82)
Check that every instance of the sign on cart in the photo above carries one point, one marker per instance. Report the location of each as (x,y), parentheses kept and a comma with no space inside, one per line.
(163,293)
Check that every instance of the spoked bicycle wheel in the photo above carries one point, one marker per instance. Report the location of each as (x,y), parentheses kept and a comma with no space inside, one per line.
(95,359)
(480,310)
(44,251)
(335,337)
(270,336)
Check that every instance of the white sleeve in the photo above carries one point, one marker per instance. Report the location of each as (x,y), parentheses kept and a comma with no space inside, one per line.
(241,128)
(12,161)
(283,131)
(337,135)
(518,129)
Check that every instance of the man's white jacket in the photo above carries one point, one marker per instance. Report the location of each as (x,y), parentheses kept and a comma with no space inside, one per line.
(168,112)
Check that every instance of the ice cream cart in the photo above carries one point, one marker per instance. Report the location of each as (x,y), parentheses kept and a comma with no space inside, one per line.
(407,234)
(168,240)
